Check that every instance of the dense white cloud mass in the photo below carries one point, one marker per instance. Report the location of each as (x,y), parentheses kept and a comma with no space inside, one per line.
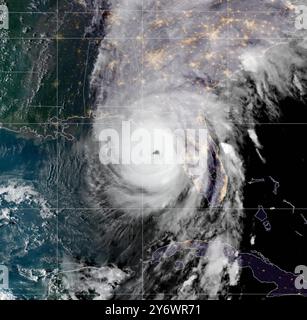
(187,65)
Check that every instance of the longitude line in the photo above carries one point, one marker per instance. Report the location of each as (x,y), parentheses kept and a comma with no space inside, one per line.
(142,106)
(58,134)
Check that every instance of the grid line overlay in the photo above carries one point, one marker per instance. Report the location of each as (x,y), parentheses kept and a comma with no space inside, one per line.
(142,107)
(226,11)
(58,145)
(58,208)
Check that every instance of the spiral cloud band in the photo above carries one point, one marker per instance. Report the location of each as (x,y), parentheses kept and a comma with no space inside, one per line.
(171,66)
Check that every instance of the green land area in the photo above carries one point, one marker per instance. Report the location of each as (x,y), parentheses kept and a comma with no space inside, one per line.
(46,60)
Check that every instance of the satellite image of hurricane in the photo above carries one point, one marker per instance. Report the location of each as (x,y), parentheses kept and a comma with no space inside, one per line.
(153,149)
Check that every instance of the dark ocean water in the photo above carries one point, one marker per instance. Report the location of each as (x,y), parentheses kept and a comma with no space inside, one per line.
(284,244)
(28,233)
(42,223)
